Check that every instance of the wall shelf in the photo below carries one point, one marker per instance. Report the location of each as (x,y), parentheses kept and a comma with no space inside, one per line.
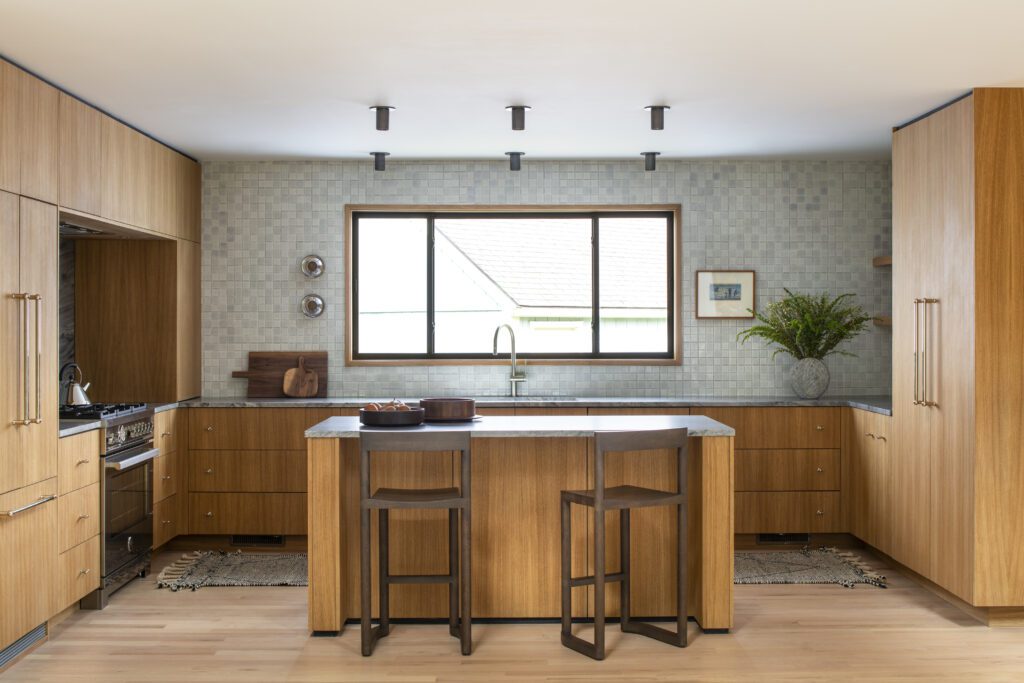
(880,261)
(883,320)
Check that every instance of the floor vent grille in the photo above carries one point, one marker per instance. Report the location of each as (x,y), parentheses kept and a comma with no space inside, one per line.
(256,540)
(782,539)
(12,651)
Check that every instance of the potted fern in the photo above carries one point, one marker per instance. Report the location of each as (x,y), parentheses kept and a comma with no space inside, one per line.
(809,328)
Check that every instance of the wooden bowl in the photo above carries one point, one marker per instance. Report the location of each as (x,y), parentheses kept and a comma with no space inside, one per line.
(448,409)
(391,418)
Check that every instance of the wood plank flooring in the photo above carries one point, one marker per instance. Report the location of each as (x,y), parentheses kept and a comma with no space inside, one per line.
(783,633)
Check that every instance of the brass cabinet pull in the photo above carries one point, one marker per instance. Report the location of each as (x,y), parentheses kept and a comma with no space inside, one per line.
(209,514)
(917,349)
(23,298)
(166,477)
(819,513)
(209,428)
(83,517)
(819,470)
(870,434)
(83,462)
(38,419)
(209,470)
(921,392)
(165,434)
(166,521)
(84,572)
(882,438)
(819,428)
(23,508)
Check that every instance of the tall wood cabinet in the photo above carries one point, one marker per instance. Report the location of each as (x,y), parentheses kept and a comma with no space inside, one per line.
(958,358)
(28,135)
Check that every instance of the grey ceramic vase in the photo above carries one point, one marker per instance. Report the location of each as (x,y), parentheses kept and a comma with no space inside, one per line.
(809,378)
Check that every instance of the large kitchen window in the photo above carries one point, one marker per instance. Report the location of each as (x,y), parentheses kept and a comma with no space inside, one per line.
(573,285)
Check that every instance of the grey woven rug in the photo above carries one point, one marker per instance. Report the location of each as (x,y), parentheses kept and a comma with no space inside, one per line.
(215,568)
(824,565)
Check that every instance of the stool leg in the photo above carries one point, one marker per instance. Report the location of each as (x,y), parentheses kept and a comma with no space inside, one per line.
(599,583)
(365,587)
(566,569)
(466,581)
(385,574)
(453,571)
(682,616)
(624,600)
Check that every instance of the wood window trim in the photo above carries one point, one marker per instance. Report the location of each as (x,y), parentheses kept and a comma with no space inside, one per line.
(677,215)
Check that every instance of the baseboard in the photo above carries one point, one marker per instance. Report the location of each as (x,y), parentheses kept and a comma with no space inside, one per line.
(292,544)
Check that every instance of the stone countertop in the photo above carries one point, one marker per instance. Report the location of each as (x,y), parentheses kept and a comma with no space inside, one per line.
(72,427)
(875,404)
(525,426)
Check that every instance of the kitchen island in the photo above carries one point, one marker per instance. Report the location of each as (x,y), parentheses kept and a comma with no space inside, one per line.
(520,463)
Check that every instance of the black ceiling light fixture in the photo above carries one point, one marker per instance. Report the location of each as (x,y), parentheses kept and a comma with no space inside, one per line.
(649,160)
(657,115)
(383,116)
(515,160)
(518,115)
(378,160)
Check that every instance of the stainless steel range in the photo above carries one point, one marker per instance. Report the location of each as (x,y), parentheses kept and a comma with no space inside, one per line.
(126,494)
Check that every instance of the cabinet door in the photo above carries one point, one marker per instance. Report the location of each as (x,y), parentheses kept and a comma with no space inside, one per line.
(869,489)
(39,135)
(28,561)
(12,353)
(81,155)
(10,138)
(189,346)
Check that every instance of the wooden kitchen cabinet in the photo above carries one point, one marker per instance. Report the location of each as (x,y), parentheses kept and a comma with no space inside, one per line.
(165,476)
(170,479)
(188,328)
(811,469)
(247,471)
(78,461)
(869,493)
(783,427)
(78,574)
(28,563)
(28,134)
(78,515)
(28,265)
(81,154)
(788,512)
(247,513)
(169,429)
(168,520)
(248,428)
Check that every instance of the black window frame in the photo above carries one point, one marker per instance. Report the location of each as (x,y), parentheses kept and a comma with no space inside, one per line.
(595,216)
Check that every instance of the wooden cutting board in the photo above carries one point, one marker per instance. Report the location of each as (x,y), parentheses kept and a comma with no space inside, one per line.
(301,382)
(267,368)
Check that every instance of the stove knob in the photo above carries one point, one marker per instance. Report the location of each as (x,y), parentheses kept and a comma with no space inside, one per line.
(121,434)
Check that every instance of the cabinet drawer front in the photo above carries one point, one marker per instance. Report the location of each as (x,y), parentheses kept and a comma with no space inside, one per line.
(793,512)
(248,471)
(166,520)
(787,470)
(167,430)
(78,461)
(165,476)
(79,514)
(28,560)
(248,428)
(79,573)
(789,427)
(247,513)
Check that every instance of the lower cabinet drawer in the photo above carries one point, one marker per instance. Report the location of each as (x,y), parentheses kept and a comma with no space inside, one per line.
(78,516)
(789,512)
(166,520)
(165,476)
(810,469)
(79,573)
(247,513)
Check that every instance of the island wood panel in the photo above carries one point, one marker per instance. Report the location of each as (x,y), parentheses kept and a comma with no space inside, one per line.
(517,521)
(252,471)
(779,427)
(329,526)
(998,563)
(248,428)
(247,513)
(788,512)
(81,153)
(78,516)
(28,563)
(78,461)
(811,469)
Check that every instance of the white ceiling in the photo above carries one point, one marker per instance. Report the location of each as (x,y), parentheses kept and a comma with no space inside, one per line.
(294,78)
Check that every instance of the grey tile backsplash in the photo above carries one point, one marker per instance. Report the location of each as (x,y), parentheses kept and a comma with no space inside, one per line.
(803,225)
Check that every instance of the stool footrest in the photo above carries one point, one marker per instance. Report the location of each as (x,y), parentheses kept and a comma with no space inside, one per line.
(656,632)
(420,578)
(577,581)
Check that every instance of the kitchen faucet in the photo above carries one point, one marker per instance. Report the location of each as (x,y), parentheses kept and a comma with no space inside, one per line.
(513,379)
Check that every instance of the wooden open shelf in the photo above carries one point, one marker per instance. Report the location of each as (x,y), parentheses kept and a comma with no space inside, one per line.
(880,261)
(883,320)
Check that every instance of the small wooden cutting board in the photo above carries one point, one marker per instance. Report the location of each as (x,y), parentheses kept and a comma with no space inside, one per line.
(267,369)
(300,382)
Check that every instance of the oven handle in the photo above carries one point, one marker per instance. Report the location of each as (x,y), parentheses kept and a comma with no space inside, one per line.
(131,460)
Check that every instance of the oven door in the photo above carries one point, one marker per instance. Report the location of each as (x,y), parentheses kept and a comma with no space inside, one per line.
(127,506)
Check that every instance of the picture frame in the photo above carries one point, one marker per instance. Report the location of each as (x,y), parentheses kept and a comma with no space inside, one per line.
(724,294)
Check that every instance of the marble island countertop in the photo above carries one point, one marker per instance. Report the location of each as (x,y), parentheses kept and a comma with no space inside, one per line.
(525,426)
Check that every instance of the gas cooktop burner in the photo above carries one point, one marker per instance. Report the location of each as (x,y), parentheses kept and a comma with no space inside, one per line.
(100,411)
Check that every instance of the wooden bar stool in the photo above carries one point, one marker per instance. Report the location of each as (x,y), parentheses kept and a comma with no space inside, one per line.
(383,500)
(623,499)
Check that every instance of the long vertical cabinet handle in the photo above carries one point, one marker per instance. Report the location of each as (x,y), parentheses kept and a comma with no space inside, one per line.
(925,390)
(37,298)
(916,350)
(23,298)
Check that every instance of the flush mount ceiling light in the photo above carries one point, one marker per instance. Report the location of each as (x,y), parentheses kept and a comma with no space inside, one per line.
(378,160)
(649,160)
(518,115)
(515,160)
(383,116)
(657,115)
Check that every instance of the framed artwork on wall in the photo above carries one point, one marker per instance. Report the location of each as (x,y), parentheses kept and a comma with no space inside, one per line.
(724,294)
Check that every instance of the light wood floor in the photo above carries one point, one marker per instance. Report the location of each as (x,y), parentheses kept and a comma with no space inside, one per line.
(783,633)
